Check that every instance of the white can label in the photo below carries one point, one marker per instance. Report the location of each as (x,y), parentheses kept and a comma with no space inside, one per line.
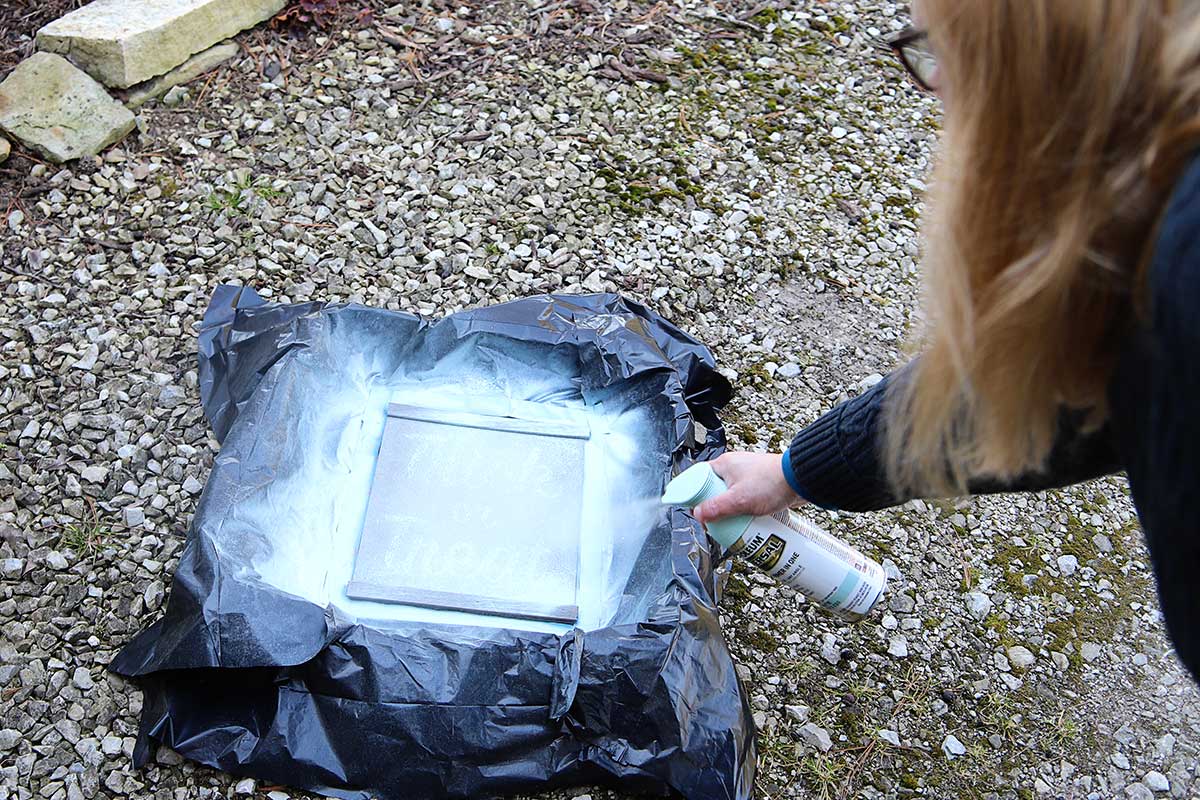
(797,553)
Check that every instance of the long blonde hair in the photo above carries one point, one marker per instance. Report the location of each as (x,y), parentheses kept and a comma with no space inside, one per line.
(1065,123)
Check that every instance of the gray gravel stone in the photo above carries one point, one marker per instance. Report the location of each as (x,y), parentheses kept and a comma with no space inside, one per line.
(797,713)
(1020,658)
(82,679)
(978,604)
(153,596)
(168,757)
(816,736)
(952,747)
(94,474)
(1138,791)
(1156,781)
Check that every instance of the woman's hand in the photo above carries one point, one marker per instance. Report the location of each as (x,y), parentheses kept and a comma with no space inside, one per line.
(756,486)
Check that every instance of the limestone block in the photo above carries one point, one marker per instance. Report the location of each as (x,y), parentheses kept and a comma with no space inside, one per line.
(57,110)
(125,42)
(195,66)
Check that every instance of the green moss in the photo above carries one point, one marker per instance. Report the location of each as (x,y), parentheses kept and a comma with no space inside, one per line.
(999,626)
(746,432)
(762,641)
(737,589)
(758,373)
(1080,546)
(1061,632)
(1012,561)
(766,17)
(812,48)
(694,58)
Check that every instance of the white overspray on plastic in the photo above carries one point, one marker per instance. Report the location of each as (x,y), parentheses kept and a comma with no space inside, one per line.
(297,529)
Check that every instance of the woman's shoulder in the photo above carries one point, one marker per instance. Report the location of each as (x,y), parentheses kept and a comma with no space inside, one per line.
(1183,206)
(1174,275)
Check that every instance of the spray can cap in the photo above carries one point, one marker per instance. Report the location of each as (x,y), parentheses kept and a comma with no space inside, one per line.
(692,487)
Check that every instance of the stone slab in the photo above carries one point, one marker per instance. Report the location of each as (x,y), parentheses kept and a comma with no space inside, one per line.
(5,149)
(125,42)
(194,67)
(57,110)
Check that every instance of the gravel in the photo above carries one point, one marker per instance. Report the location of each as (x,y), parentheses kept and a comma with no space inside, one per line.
(1020,658)
(1156,782)
(816,736)
(764,195)
(952,747)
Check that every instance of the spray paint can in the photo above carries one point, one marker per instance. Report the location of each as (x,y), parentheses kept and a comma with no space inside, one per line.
(789,548)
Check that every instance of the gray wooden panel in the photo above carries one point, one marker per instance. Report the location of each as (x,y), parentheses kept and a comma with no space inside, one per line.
(465,419)
(469,512)
(450,601)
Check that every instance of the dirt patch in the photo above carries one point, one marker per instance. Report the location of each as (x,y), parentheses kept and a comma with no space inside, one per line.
(20,20)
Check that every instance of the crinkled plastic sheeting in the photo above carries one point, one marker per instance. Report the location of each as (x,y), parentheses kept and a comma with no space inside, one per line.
(262,666)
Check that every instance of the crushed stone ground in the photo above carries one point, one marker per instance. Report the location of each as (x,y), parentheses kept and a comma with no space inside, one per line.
(753,172)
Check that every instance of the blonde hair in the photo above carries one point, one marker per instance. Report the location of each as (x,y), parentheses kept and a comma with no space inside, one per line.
(1065,123)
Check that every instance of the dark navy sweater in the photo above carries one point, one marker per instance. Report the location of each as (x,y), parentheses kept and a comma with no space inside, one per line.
(1152,433)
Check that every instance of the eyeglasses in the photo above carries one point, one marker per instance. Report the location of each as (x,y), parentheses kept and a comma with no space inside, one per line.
(911,46)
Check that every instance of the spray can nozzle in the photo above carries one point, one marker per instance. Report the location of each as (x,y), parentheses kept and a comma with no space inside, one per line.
(692,487)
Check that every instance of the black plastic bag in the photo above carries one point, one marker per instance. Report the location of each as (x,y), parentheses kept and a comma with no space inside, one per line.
(255,675)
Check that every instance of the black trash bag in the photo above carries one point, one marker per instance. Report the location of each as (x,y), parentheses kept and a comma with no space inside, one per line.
(262,667)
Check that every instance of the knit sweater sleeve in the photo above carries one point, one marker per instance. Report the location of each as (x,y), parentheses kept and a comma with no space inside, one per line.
(837,463)
(1155,390)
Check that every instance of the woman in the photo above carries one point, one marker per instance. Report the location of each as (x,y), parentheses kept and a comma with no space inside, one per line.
(1062,267)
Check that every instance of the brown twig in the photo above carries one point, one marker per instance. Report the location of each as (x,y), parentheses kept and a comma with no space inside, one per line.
(33,277)
(204,89)
(755,11)
(478,136)
(720,19)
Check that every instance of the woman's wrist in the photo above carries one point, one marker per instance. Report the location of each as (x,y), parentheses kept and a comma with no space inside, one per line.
(789,475)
